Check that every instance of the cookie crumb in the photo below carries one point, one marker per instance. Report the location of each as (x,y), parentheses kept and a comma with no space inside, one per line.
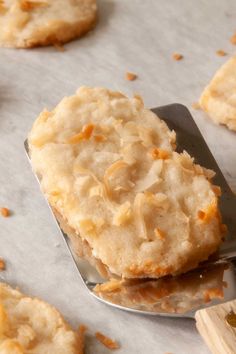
(130,76)
(2,264)
(177,56)
(221,53)
(106,341)
(233,39)
(81,334)
(5,212)
(195,105)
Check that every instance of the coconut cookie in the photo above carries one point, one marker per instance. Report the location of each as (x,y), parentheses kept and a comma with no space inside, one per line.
(26,23)
(31,326)
(219,97)
(108,168)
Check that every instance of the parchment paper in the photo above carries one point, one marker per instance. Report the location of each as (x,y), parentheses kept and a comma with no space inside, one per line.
(132,35)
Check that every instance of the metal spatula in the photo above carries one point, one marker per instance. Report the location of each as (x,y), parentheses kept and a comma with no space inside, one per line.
(214,282)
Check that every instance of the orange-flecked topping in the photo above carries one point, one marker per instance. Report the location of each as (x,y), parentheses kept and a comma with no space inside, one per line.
(159,234)
(106,341)
(2,7)
(148,268)
(85,134)
(210,212)
(2,264)
(99,138)
(5,212)
(26,5)
(233,39)
(216,190)
(87,131)
(159,154)
(177,56)
(130,76)
(201,214)
(221,53)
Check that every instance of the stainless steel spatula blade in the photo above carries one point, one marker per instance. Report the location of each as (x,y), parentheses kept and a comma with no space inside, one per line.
(212,283)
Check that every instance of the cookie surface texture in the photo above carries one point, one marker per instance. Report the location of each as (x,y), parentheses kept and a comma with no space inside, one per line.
(107,165)
(31,326)
(26,24)
(219,97)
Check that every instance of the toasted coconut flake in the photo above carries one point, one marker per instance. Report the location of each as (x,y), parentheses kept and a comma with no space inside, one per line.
(5,212)
(85,134)
(106,341)
(85,171)
(96,191)
(91,227)
(138,204)
(159,234)
(177,56)
(100,138)
(104,192)
(2,264)
(140,99)
(123,214)
(3,9)
(207,172)
(216,190)
(145,135)
(56,193)
(158,200)
(88,227)
(113,285)
(209,213)
(152,177)
(43,117)
(159,154)
(130,76)
(27,5)
(111,170)
(221,53)
(3,320)
(233,39)
(201,214)
(81,337)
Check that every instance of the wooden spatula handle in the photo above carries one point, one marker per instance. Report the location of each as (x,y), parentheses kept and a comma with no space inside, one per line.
(217,326)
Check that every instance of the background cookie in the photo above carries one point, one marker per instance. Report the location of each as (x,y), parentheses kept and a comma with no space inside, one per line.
(219,97)
(30,325)
(107,165)
(33,23)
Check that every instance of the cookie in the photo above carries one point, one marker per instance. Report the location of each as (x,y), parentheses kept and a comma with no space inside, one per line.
(31,326)
(108,168)
(219,97)
(26,24)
